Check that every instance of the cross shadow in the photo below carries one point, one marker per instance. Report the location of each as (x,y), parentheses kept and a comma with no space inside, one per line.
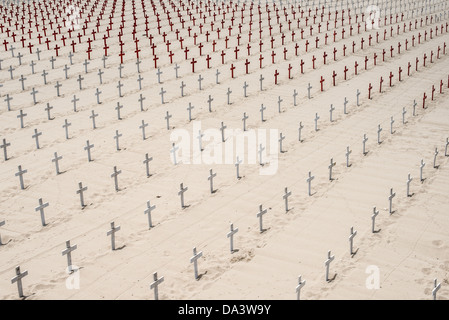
(436,167)
(24,297)
(411,195)
(332,279)
(234,251)
(392,212)
(201,275)
(185,207)
(149,175)
(349,165)
(366,153)
(213,191)
(5,243)
(61,172)
(354,253)
(377,231)
(120,248)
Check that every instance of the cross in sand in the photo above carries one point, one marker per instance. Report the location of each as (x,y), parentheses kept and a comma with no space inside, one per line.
(194,260)
(309,181)
(2,223)
(56,161)
(209,101)
(115,175)
(301,283)
(173,150)
(245,117)
(148,212)
(189,109)
(181,193)
(111,233)
(66,126)
(154,285)
(231,236)
(237,165)
(331,165)
(41,208)
(18,279)
(48,109)
(68,252)
(365,139)
(285,197)
(390,198)
(261,79)
(352,234)
(260,215)
(211,179)
(328,261)
(4,146)
(146,162)
(20,174)
(81,191)
(437,286)
(93,116)
(167,117)
(373,218)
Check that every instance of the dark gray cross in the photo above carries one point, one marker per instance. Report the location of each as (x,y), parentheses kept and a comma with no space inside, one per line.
(138,62)
(44,75)
(56,161)
(262,108)
(300,129)
(98,92)
(330,111)
(316,121)
(80,191)
(1,60)
(358,94)
(176,70)
(200,78)
(409,179)
(141,99)
(435,158)
(115,175)
(261,79)
(8,101)
(279,104)
(348,153)
(74,101)
(93,116)
(85,64)
(403,115)
(148,212)
(167,117)
(20,174)
(2,223)
(261,150)
(32,64)
(154,285)
(11,69)
(143,126)
(309,181)
(52,60)
(414,107)
(41,208)
(116,137)
(100,75)
(147,164)
(230,235)
(20,56)
(189,108)
(181,193)
(245,117)
(4,146)
(301,283)
(18,279)
(21,116)
(162,94)
(159,72)
(12,48)
(391,125)
(200,135)
(87,148)
(237,165)
(328,261)
(173,150)
(209,101)
(281,138)
(344,106)
(260,215)
(120,68)
(445,150)
(228,93)
(48,109)
(331,165)
(104,61)
(211,179)
(352,234)
(182,88)
(373,218)
(119,106)
(36,136)
(111,233)
(309,87)
(22,80)
(222,128)
(390,198)
(194,260)
(80,79)
(119,87)
(245,86)
(70,57)
(365,139)
(68,252)
(437,286)
(139,80)
(423,164)
(216,77)
(66,127)
(285,197)
(295,94)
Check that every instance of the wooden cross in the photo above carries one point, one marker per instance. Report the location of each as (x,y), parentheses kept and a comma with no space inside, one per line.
(365,139)
(262,108)
(119,87)
(327,263)
(87,148)
(148,212)
(285,197)
(332,164)
(352,234)
(308,90)
(20,174)
(228,93)
(245,117)
(5,145)
(301,283)
(80,191)
(154,285)
(194,260)
(111,233)
(159,72)
(435,158)
(18,279)
(143,126)
(41,208)
(56,161)
(181,193)
(68,252)
(115,175)
(116,137)
(316,121)
(237,165)
(260,215)
(189,109)
(300,129)
(211,178)
(330,112)
(230,235)
(309,181)
(437,286)
(261,79)
(390,198)
(97,93)
(173,150)
(167,117)
(209,101)
(199,137)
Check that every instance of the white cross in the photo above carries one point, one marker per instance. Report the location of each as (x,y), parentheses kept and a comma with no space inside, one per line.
(88,147)
(190,108)
(97,93)
(143,126)
(261,150)
(100,73)
(390,198)
(159,72)
(138,62)
(216,76)
(308,90)
(86,63)
(21,115)
(279,104)
(344,106)
(194,260)
(173,150)
(358,94)
(18,279)
(48,109)
(261,79)
(211,178)
(148,212)
(316,121)
(409,179)
(309,181)
(231,236)
(222,128)
(41,208)
(112,232)
(281,138)
(228,93)
(146,162)
(209,101)
(66,126)
(245,86)
(167,117)
(295,94)
(74,101)
(139,80)
(22,80)
(445,150)
(119,106)
(181,193)
(8,101)
(245,117)
(301,126)
(200,78)
(331,165)
(68,252)
(262,108)
(2,223)
(285,197)
(80,191)
(352,234)
(379,130)
(260,215)
(437,286)
(56,161)
(176,70)
(114,175)
(423,164)
(57,86)
(391,125)
(20,175)
(365,139)
(200,135)
(330,111)
(141,99)
(237,165)
(162,94)
(80,79)
(327,263)
(116,137)
(66,68)
(435,158)
(301,283)
(104,61)
(155,285)
(182,88)
(4,146)
(373,218)
(348,153)
(403,115)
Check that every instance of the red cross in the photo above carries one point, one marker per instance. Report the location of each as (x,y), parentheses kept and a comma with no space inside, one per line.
(236,50)
(324,57)
(302,65)
(276,73)
(345,70)
(222,56)
(322,83)
(285,53)
(356,64)
(30,46)
(424,100)
(400,71)
(232,68)
(313,61)
(391,77)
(171,54)
(273,54)
(246,65)
(417,60)
(260,61)
(333,77)
(369,91)
(186,50)
(380,87)
(366,62)
(193,64)
(73,44)
(425,58)
(408,68)
(57,50)
(155,58)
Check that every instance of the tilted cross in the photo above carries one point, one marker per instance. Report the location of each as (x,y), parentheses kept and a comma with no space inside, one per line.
(154,285)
